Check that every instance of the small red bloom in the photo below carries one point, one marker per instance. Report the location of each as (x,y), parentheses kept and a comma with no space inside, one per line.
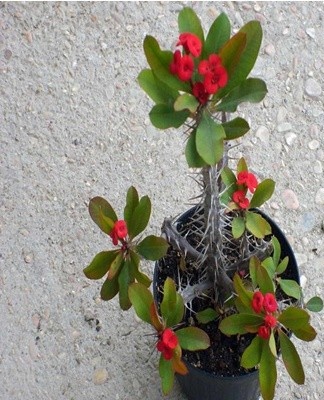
(264,332)
(247,179)
(119,231)
(257,302)
(200,93)
(167,343)
(270,321)
(240,199)
(185,68)
(174,66)
(191,43)
(215,80)
(269,303)
(209,66)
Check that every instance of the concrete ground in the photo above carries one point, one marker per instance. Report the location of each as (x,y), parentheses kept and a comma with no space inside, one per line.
(74,124)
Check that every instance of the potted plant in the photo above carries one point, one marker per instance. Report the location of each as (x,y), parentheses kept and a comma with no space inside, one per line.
(226,293)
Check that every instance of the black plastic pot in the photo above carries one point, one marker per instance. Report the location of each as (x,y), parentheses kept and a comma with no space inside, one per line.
(201,385)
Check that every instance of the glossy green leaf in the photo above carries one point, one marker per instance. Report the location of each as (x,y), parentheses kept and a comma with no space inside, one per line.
(163,116)
(242,165)
(257,225)
(193,158)
(251,90)
(136,273)
(235,128)
(193,339)
(172,307)
(132,201)
(116,266)
(307,333)
(273,345)
(276,254)
(244,295)
(141,299)
(291,359)
(263,280)
(186,101)
(290,287)
(267,372)
(140,217)
(160,61)
(207,315)
(254,264)
(218,34)
(282,266)
(238,227)
(102,214)
(157,90)
(210,140)
(109,289)
(124,280)
(240,323)
(269,266)
(166,375)
(252,354)
(262,193)
(188,21)
(294,318)
(100,265)
(228,176)
(153,248)
(315,304)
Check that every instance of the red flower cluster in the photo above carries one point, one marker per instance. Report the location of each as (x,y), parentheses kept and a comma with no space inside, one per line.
(119,231)
(267,304)
(213,74)
(246,181)
(168,341)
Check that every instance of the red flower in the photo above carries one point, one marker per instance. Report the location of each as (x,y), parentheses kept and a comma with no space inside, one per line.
(167,343)
(264,332)
(185,68)
(240,199)
(191,43)
(270,321)
(200,93)
(257,302)
(247,179)
(216,79)
(209,66)
(174,66)
(119,231)
(270,303)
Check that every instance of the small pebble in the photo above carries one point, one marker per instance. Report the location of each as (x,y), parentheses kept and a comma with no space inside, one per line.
(313,88)
(270,50)
(303,281)
(28,258)
(284,127)
(319,198)
(263,134)
(290,199)
(100,376)
(290,137)
(310,32)
(314,144)
(318,168)
(301,259)
(7,54)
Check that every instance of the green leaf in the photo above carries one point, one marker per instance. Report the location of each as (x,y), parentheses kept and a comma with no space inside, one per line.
(141,298)
(132,201)
(218,34)
(262,193)
(100,265)
(252,354)
(257,225)
(193,338)
(267,372)
(172,307)
(163,116)
(102,214)
(276,251)
(116,266)
(251,90)
(210,140)
(238,227)
(242,165)
(160,61)
(268,264)
(262,278)
(306,333)
(140,217)
(254,264)
(228,176)
(240,323)
(207,315)
(136,273)
(282,265)
(153,248)
(235,128)
(186,101)
(157,90)
(290,287)
(291,359)
(188,21)
(272,345)
(294,318)
(244,295)
(124,280)
(109,289)
(315,304)
(166,375)
(193,158)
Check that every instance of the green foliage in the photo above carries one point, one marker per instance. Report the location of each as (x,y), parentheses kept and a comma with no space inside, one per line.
(166,374)
(240,324)
(188,21)
(193,158)
(267,372)
(262,193)
(140,217)
(238,227)
(257,225)
(207,315)
(172,307)
(252,354)
(100,265)
(141,299)
(193,338)
(163,116)
(102,214)
(315,304)
(235,128)
(186,101)
(157,90)
(218,35)
(152,248)
(290,287)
